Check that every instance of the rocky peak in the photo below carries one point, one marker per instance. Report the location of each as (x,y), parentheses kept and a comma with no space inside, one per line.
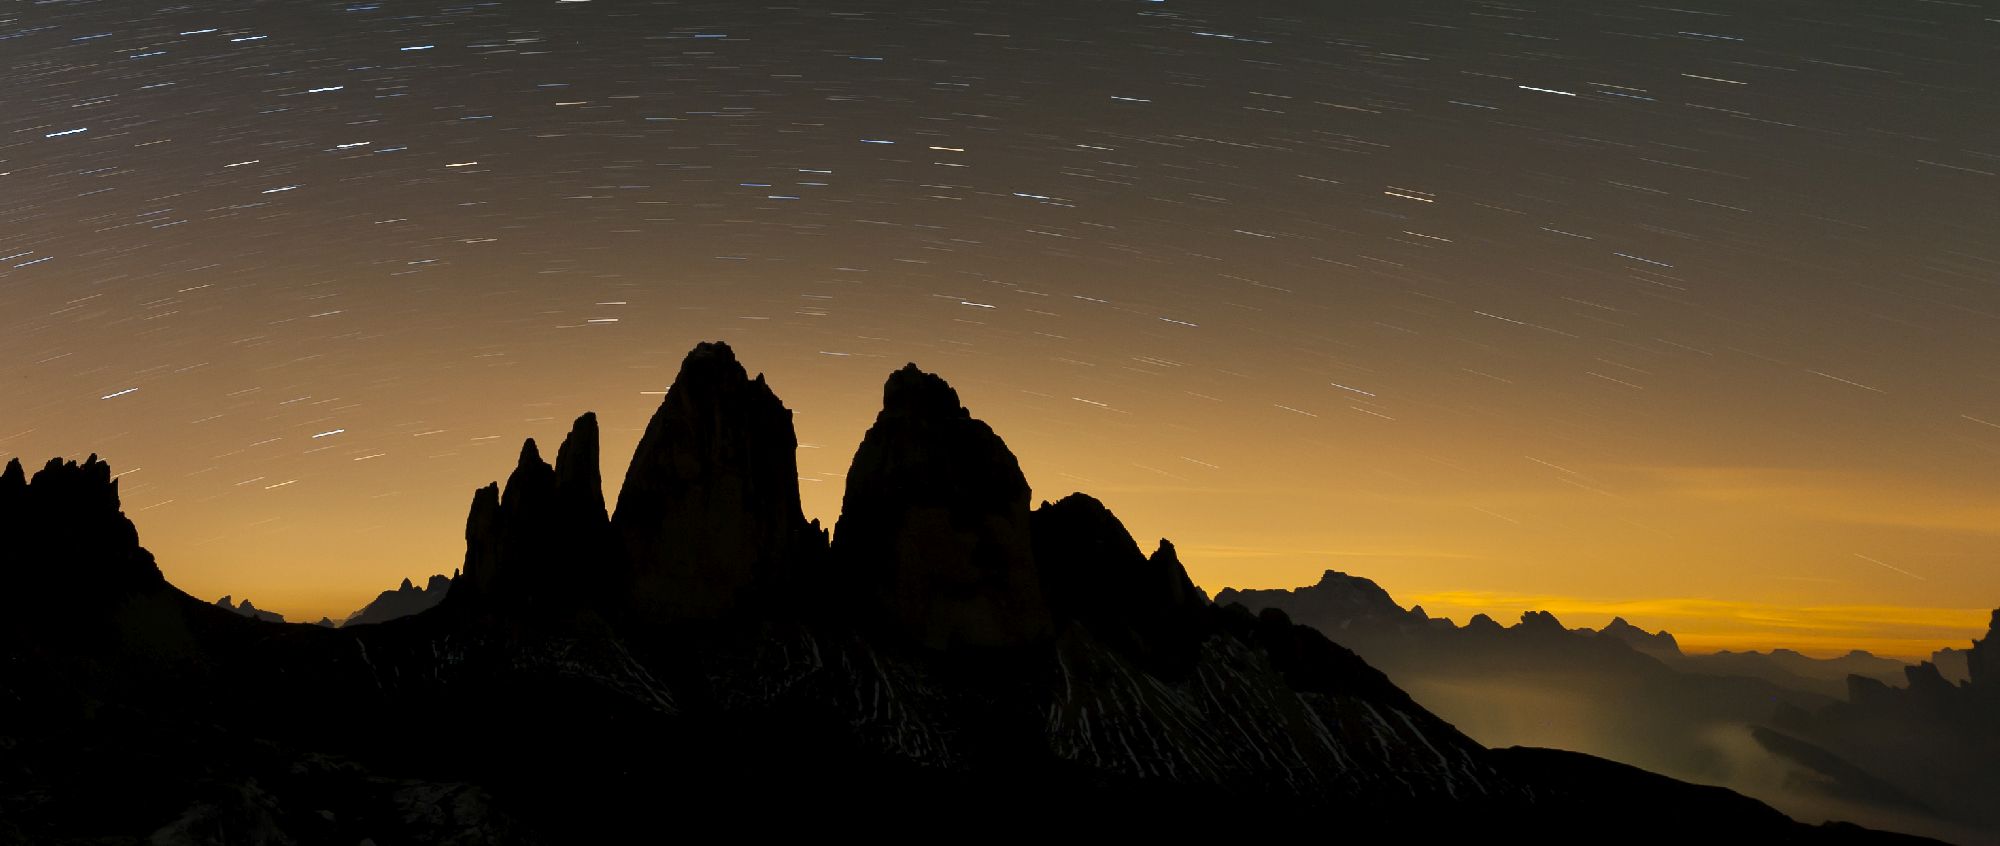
(709,515)
(542,541)
(1541,623)
(912,393)
(532,486)
(1083,553)
(934,526)
(579,482)
(1093,573)
(406,586)
(1662,643)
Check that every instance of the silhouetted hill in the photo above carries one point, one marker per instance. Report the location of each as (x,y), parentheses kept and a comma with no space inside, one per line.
(1633,696)
(251,611)
(1660,644)
(705,658)
(405,600)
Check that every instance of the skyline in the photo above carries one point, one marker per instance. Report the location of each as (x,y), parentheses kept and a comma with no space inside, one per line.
(1593,306)
(1716,624)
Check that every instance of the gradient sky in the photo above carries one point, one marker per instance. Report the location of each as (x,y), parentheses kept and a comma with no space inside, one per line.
(1683,313)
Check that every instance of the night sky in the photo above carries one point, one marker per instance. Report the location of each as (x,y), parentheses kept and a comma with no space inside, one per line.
(1685,312)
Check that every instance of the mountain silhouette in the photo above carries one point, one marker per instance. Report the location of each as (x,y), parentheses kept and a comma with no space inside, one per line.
(405,600)
(251,611)
(1772,724)
(703,656)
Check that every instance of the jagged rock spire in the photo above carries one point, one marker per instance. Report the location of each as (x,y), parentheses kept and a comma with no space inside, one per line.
(13,492)
(709,514)
(934,525)
(542,541)
(579,481)
(482,546)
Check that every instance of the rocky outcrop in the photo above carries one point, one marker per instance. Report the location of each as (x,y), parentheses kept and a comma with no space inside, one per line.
(247,610)
(68,537)
(709,516)
(406,600)
(934,530)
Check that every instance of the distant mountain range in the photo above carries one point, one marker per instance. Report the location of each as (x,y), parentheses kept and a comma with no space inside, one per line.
(949,659)
(1818,737)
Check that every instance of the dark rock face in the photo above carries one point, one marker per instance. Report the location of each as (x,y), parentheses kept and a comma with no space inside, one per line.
(406,600)
(482,548)
(709,515)
(934,525)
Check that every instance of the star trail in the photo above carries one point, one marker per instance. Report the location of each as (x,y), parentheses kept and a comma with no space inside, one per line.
(1608,304)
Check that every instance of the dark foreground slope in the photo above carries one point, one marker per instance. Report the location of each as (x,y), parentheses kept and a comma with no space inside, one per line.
(705,657)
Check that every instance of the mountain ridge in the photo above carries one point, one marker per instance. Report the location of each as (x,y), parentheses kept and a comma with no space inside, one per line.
(950,646)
